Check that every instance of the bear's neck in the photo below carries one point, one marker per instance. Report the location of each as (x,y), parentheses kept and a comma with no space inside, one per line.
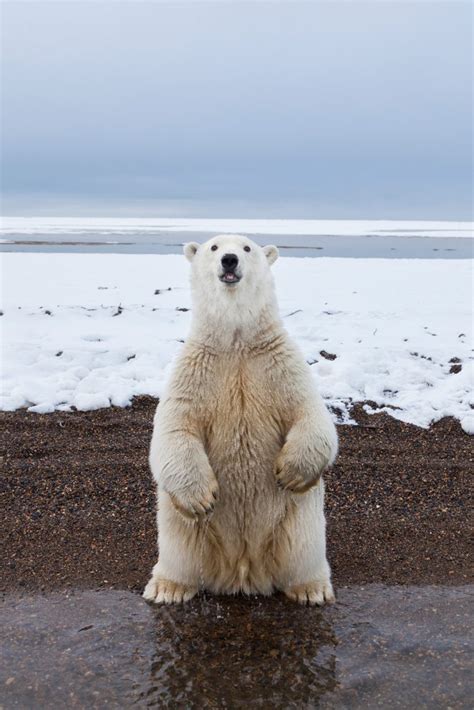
(234,328)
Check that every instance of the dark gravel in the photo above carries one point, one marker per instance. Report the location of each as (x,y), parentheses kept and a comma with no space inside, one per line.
(78,501)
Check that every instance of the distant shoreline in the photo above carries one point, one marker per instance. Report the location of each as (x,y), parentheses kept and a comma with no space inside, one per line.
(370,246)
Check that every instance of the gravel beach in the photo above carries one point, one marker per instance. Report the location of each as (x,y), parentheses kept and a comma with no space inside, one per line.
(79,501)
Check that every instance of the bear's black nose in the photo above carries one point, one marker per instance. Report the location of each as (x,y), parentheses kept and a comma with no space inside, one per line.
(229,261)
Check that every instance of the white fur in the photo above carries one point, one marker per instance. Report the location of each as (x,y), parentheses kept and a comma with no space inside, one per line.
(239,444)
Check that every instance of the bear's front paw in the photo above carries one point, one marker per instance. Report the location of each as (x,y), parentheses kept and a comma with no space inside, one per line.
(196,501)
(295,477)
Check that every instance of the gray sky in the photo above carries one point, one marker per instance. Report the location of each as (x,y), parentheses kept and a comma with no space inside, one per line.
(316,109)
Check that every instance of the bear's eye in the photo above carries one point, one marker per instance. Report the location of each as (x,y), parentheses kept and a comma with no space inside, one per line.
(214,247)
(246,248)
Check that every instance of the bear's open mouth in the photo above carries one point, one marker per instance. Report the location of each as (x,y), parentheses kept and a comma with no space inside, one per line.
(229,277)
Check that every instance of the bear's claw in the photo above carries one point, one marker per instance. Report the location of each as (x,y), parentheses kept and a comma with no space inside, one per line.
(199,504)
(292,481)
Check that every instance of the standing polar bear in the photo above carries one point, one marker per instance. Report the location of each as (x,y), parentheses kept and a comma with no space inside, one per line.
(239,443)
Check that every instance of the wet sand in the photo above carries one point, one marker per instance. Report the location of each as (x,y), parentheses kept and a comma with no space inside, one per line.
(80,542)
(399,647)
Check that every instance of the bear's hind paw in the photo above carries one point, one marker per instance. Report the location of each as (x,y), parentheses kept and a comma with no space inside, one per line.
(164,591)
(312,593)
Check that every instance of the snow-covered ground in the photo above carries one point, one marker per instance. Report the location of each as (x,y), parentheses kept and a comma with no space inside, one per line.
(90,330)
(316,227)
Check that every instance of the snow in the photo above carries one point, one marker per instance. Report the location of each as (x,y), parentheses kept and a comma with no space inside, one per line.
(88,330)
(400,228)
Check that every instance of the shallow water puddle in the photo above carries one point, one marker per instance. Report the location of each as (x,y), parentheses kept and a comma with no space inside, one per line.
(378,647)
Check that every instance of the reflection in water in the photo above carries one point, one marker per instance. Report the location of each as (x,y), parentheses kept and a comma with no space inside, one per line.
(388,647)
(232,652)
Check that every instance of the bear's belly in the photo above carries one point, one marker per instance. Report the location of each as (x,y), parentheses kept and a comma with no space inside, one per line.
(247,539)
(242,444)
(245,420)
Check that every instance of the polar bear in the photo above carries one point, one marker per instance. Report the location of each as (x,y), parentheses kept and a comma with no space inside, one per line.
(239,444)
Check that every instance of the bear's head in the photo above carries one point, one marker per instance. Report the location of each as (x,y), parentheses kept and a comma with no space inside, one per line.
(231,277)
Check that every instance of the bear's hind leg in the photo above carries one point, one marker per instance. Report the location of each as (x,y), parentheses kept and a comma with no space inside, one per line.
(175,577)
(305,576)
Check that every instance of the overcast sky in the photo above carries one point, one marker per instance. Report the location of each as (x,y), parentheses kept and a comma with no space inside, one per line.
(316,109)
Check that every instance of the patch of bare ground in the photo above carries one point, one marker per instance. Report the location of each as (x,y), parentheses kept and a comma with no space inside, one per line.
(78,501)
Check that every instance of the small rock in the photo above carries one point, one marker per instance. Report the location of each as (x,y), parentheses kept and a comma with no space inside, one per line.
(327,356)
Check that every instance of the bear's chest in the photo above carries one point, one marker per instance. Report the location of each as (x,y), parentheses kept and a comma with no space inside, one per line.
(245,406)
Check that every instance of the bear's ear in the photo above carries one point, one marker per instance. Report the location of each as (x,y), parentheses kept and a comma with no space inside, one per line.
(271,252)
(190,250)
